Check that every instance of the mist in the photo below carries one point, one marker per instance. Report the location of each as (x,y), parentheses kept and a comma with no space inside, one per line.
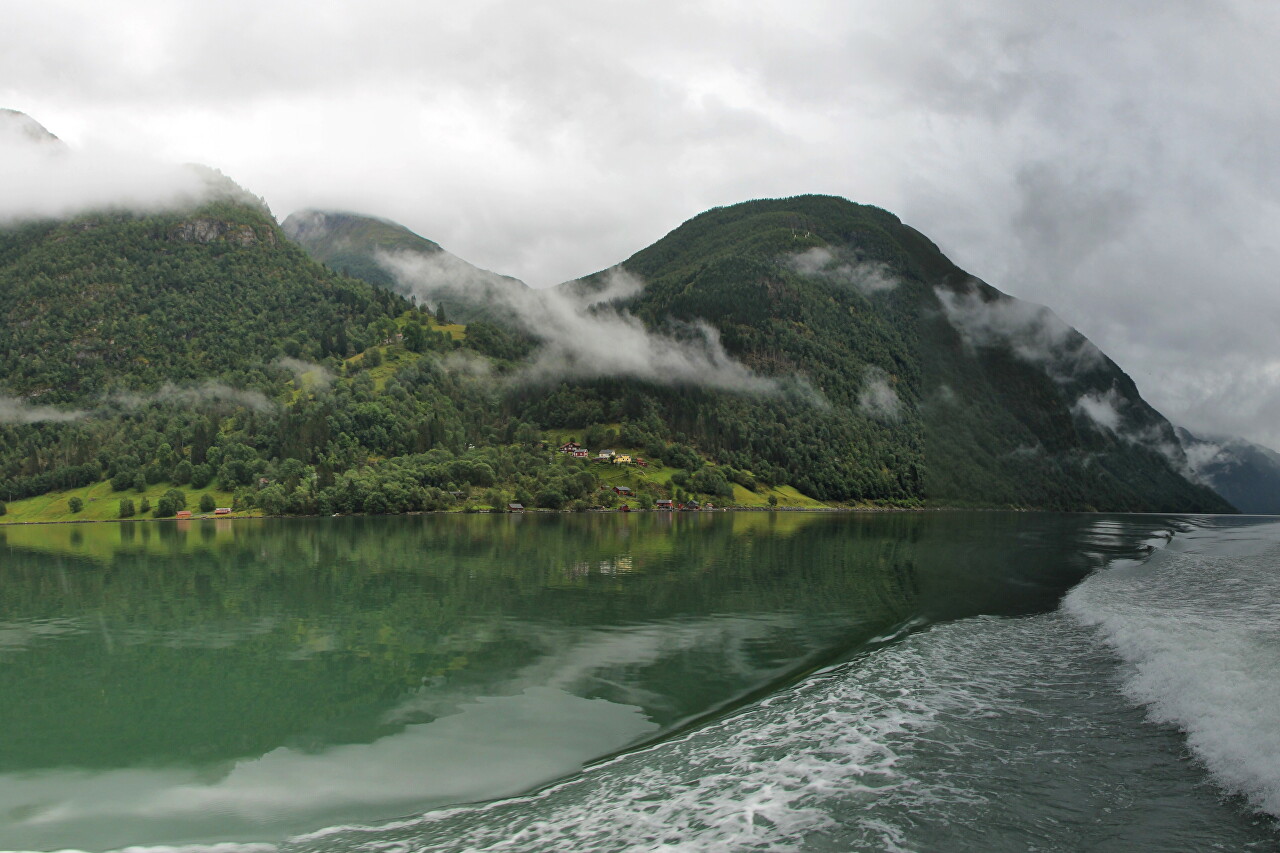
(1033,332)
(206,393)
(43,178)
(877,398)
(582,329)
(306,374)
(17,411)
(866,277)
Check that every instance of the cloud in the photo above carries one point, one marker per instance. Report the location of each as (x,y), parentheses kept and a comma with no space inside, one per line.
(305,373)
(582,331)
(18,411)
(208,392)
(1032,332)
(1112,160)
(1109,411)
(866,277)
(877,398)
(42,178)
(1102,409)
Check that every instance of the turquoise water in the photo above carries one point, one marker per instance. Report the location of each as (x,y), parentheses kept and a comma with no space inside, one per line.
(940,681)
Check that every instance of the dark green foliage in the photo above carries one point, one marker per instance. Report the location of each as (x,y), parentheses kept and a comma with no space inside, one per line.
(125,303)
(207,503)
(75,504)
(126,508)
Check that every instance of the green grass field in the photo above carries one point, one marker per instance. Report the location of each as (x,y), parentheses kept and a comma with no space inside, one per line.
(102,504)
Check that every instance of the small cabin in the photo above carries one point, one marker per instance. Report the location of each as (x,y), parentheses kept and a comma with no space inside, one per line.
(581,454)
(184,513)
(514,507)
(624,508)
(640,461)
(622,459)
(665,503)
(622,490)
(222,510)
(570,447)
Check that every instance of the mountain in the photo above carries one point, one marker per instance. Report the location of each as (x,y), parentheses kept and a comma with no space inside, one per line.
(19,126)
(118,301)
(1246,474)
(931,383)
(389,255)
(791,350)
(868,366)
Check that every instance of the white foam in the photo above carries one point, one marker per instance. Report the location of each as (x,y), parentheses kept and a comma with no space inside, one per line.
(1200,632)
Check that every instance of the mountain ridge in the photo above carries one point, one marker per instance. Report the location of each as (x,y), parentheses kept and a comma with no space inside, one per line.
(776,345)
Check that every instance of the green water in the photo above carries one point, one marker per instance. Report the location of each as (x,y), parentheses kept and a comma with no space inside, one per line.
(193,682)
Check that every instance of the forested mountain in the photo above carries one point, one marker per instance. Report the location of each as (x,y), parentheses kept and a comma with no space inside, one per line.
(1244,473)
(931,383)
(872,368)
(808,342)
(373,249)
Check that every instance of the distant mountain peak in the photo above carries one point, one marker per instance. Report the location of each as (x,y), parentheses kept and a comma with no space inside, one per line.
(20,126)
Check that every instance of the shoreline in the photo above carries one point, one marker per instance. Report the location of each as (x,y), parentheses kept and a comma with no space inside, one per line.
(541,511)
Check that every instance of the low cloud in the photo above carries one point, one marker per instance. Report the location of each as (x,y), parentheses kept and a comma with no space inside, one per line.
(1108,411)
(1033,332)
(305,373)
(17,411)
(582,328)
(206,393)
(1102,409)
(43,178)
(877,398)
(866,277)
(466,364)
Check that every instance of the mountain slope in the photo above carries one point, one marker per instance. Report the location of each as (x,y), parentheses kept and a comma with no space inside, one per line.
(958,393)
(1244,473)
(389,255)
(113,301)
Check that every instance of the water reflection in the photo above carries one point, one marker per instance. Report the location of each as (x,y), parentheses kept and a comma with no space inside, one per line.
(244,680)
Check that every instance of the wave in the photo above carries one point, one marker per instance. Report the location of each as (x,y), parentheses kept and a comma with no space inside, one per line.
(1198,626)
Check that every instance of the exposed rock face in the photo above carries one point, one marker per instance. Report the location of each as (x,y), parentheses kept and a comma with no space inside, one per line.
(208,230)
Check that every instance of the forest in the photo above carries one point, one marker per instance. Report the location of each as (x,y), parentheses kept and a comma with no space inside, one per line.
(170,353)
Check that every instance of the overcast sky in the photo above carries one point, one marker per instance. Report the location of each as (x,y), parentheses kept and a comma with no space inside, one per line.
(1113,159)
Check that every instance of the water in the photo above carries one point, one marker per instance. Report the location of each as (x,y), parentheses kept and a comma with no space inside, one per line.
(709,682)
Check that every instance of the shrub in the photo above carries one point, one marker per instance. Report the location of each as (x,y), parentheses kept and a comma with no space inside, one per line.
(207,503)
(76,504)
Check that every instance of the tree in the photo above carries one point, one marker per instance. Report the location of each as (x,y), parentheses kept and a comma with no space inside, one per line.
(773,501)
(273,499)
(165,507)
(178,498)
(126,507)
(76,504)
(3,508)
(440,317)
(207,503)
(144,505)
(201,476)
